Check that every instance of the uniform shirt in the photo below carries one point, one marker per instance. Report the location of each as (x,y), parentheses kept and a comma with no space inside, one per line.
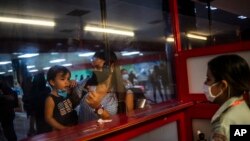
(234,111)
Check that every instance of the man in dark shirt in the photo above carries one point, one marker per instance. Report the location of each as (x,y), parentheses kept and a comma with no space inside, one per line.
(8,101)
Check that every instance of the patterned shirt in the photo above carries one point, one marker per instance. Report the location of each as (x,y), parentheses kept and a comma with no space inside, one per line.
(86,113)
(63,111)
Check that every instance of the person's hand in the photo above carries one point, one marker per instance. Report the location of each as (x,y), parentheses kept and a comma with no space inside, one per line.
(93,99)
(73,83)
(102,89)
(96,95)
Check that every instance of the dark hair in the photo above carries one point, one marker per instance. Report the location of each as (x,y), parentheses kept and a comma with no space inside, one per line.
(98,77)
(109,57)
(234,69)
(53,71)
(39,81)
(116,81)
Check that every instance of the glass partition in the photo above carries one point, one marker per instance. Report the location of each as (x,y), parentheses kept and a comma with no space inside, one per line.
(224,22)
(36,35)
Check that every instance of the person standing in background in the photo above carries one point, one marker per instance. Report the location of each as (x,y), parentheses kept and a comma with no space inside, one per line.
(129,93)
(40,91)
(131,77)
(228,80)
(154,78)
(164,80)
(27,104)
(8,101)
(81,77)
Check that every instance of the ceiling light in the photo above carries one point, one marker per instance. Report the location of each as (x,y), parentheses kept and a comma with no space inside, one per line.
(10,70)
(66,65)
(57,60)
(28,55)
(29,67)
(109,30)
(54,53)
(16,53)
(46,68)
(170,39)
(2,72)
(125,53)
(5,62)
(212,8)
(27,21)
(86,54)
(242,17)
(34,70)
(196,36)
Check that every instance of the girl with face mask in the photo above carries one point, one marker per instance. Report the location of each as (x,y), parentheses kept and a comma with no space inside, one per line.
(228,80)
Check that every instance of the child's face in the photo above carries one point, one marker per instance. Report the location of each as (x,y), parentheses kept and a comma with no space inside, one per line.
(61,81)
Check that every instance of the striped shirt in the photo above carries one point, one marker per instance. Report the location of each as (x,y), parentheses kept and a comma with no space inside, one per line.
(86,113)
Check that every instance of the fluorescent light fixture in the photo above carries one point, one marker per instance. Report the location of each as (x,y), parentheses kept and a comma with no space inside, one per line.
(54,53)
(125,53)
(66,65)
(242,17)
(28,55)
(16,53)
(86,54)
(2,72)
(57,60)
(212,8)
(27,21)
(10,70)
(5,62)
(34,70)
(46,68)
(170,39)
(196,36)
(109,30)
(31,66)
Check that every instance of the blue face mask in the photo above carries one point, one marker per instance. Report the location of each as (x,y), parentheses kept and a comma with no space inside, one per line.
(62,93)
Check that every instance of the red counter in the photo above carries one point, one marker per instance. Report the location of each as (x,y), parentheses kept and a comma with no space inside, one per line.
(125,127)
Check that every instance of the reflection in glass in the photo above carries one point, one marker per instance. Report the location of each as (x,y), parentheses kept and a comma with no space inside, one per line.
(148,21)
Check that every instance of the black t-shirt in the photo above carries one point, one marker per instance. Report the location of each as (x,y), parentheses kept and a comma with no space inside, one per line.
(63,111)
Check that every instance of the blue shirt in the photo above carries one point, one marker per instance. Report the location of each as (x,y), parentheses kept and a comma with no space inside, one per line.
(86,113)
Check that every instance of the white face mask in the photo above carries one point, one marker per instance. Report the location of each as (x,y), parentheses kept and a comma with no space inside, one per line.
(125,76)
(208,93)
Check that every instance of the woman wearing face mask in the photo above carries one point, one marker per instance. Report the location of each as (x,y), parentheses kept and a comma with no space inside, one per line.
(129,93)
(135,97)
(108,91)
(228,80)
